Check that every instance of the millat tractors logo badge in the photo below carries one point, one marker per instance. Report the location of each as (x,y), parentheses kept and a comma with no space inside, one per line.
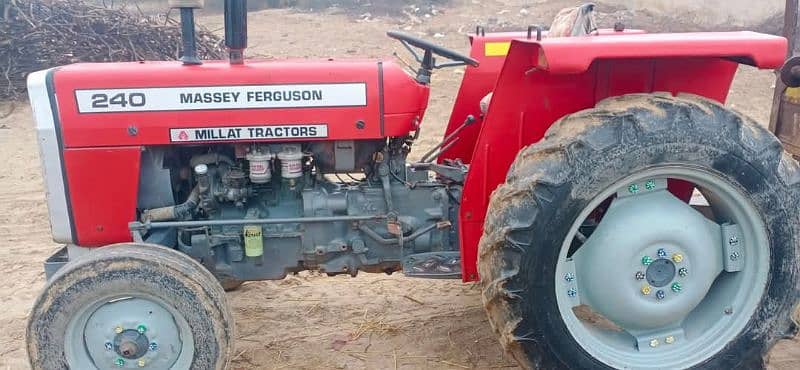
(271,132)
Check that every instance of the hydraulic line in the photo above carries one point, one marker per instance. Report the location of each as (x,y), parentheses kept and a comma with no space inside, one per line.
(177,212)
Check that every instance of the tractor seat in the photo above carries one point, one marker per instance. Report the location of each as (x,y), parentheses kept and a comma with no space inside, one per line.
(577,21)
(569,22)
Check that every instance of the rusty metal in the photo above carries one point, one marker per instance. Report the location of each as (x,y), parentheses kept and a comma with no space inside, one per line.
(785,115)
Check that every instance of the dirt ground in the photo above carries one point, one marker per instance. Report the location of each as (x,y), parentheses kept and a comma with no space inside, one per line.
(311,321)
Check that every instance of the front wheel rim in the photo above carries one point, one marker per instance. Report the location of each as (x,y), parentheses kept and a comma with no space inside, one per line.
(672,338)
(129,332)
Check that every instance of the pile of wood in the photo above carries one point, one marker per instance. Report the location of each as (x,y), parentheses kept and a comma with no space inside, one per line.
(39,34)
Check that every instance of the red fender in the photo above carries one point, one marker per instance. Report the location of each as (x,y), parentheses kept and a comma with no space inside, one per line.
(542,81)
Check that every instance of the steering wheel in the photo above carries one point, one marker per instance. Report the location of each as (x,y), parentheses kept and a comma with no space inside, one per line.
(427,60)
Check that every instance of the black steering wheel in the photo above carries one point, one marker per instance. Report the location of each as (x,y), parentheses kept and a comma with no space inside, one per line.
(429,49)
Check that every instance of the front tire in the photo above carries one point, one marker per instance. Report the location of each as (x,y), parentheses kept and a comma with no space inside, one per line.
(131,306)
(611,165)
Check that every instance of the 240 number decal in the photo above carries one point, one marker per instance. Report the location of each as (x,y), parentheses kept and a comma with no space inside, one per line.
(121,100)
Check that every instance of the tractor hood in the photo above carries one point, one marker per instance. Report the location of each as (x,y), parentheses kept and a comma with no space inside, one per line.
(151,103)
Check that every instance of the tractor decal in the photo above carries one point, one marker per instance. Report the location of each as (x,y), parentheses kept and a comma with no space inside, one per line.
(162,99)
(249,133)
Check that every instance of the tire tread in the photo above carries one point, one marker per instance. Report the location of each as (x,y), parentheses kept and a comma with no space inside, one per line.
(551,164)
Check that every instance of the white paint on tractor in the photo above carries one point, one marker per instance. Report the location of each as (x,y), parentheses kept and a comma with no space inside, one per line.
(221,97)
(50,156)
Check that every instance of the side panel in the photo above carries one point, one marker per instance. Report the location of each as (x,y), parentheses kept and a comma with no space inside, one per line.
(527,100)
(108,182)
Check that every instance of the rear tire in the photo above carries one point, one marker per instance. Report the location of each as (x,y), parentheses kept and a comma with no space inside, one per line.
(131,306)
(553,181)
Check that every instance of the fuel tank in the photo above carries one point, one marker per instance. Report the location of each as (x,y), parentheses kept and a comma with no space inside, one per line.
(157,103)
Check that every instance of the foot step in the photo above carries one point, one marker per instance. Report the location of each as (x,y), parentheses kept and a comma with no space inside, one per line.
(433,265)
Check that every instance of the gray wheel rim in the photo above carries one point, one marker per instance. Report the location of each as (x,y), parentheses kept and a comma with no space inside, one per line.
(128,332)
(717,293)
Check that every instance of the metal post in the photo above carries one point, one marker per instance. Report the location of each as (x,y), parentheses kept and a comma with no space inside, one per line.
(785,113)
(187,34)
(236,29)
(791,32)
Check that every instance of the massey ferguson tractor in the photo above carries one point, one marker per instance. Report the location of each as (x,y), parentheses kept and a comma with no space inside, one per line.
(614,211)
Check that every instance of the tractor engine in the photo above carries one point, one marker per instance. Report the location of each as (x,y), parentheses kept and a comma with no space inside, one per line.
(259,211)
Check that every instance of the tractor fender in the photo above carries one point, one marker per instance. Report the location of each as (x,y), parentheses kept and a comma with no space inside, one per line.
(545,80)
(558,55)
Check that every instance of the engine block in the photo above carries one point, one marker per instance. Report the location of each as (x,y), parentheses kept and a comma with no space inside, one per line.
(257,211)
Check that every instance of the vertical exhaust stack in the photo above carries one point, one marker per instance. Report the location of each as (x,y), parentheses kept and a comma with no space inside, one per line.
(236,29)
(187,8)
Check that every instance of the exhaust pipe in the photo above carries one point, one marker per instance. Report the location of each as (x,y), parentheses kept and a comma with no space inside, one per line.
(187,8)
(236,29)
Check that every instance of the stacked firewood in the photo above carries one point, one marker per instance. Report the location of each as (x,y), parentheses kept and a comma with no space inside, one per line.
(39,34)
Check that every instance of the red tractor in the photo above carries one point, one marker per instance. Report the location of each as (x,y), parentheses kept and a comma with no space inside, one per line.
(616,213)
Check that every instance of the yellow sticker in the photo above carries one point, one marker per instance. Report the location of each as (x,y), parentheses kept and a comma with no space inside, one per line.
(253,241)
(793,93)
(497,49)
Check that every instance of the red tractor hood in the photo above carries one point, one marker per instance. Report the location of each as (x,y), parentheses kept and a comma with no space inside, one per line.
(151,103)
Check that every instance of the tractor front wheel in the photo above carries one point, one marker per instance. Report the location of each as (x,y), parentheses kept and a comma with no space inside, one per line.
(131,306)
(650,232)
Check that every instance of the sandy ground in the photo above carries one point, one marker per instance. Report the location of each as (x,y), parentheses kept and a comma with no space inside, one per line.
(311,321)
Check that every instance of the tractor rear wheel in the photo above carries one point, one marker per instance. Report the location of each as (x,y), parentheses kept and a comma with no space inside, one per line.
(650,232)
(131,306)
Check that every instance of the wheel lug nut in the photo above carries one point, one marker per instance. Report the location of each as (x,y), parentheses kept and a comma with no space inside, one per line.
(669,340)
(639,275)
(654,343)
(662,253)
(633,188)
(683,272)
(646,290)
(677,258)
(118,329)
(141,329)
(109,346)
(676,287)
(569,276)
(153,346)
(650,184)
(572,292)
(119,362)
(647,260)
(660,294)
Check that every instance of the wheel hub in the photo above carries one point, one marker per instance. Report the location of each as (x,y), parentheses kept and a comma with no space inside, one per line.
(130,344)
(628,269)
(131,333)
(718,251)
(660,273)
